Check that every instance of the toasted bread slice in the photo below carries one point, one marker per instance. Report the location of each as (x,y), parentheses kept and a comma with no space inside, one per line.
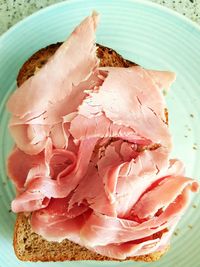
(30,246)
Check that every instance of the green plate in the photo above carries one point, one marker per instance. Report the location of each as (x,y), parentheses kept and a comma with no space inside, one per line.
(148,34)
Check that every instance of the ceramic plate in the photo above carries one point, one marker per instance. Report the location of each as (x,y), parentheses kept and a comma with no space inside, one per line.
(146,33)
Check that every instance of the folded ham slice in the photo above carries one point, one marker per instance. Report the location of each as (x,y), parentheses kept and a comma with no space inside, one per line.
(42,187)
(92,156)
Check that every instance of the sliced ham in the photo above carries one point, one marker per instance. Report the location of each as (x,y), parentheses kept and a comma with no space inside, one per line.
(92,156)
(21,135)
(59,227)
(103,230)
(169,188)
(38,93)
(102,127)
(22,167)
(115,181)
(41,188)
(163,79)
(138,247)
(125,250)
(95,197)
(128,98)
(40,102)
(19,165)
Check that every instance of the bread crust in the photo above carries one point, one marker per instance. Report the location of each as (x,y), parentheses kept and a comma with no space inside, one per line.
(30,246)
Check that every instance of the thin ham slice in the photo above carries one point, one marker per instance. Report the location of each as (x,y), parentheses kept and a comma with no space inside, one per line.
(39,103)
(38,93)
(102,127)
(136,175)
(163,79)
(115,181)
(19,165)
(42,188)
(59,227)
(22,167)
(169,189)
(125,250)
(95,197)
(103,230)
(131,101)
(150,244)
(21,135)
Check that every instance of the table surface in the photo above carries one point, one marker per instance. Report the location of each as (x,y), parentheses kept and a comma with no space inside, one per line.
(12,11)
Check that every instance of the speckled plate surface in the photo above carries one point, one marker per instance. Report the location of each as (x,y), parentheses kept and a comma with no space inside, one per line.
(148,34)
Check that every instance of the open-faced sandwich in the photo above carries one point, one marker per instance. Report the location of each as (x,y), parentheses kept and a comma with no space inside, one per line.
(91,162)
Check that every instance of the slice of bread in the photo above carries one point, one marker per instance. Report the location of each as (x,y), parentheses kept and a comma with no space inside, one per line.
(30,246)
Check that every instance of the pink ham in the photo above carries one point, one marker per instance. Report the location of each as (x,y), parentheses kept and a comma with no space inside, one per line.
(138,247)
(112,186)
(125,250)
(22,167)
(95,197)
(102,127)
(42,188)
(128,99)
(101,230)
(37,93)
(98,232)
(19,164)
(163,79)
(21,135)
(59,226)
(121,180)
(41,103)
(169,189)
(85,164)
(98,197)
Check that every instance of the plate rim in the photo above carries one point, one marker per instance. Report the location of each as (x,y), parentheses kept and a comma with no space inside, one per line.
(64,3)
